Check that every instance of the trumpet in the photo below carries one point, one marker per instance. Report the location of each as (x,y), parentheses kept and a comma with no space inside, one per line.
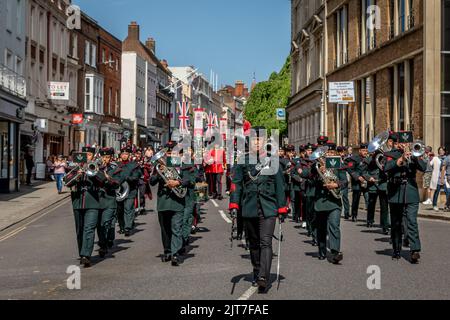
(417,150)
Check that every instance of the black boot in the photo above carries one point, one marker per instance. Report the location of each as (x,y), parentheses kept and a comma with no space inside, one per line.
(86,262)
(262,285)
(337,257)
(396,255)
(415,257)
(175,261)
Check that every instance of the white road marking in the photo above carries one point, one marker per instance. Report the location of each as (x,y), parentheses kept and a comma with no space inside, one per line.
(247,294)
(224,216)
(11,234)
(214,203)
(15,232)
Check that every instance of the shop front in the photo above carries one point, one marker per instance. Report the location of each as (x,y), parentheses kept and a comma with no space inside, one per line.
(11,117)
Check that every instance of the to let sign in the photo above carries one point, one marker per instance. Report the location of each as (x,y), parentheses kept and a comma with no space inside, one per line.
(58,90)
(341,92)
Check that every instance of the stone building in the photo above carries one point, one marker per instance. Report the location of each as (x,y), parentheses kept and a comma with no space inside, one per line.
(13,90)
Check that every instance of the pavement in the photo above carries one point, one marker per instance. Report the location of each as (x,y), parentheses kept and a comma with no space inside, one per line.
(15,207)
(35,257)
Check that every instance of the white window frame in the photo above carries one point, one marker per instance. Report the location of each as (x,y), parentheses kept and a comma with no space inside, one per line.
(93,55)
(87,52)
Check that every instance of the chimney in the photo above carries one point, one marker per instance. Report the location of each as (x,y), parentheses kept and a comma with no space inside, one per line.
(164,63)
(133,31)
(239,90)
(151,45)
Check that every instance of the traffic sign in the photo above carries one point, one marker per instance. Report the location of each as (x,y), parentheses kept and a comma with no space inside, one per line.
(281,114)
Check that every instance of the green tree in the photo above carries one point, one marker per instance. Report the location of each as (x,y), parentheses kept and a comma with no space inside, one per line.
(267,96)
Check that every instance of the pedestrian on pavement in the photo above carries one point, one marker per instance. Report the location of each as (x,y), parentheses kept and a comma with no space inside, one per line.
(59,166)
(50,168)
(437,180)
(29,163)
(428,157)
(445,179)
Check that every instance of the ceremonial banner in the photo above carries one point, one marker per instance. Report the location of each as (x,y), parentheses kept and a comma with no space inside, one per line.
(198,122)
(210,124)
(223,128)
(184,118)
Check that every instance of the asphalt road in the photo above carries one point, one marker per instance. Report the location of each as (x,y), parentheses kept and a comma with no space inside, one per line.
(34,258)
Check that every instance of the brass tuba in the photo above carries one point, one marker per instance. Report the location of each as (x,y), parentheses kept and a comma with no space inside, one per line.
(328,176)
(379,144)
(167,173)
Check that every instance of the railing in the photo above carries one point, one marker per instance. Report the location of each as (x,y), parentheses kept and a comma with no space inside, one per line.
(12,82)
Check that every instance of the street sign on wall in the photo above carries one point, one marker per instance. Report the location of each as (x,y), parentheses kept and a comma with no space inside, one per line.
(341,92)
(281,114)
(58,90)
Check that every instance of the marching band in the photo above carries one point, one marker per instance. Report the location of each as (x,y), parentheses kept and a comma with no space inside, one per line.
(312,185)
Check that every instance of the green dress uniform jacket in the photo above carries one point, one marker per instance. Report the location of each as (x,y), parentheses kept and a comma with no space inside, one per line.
(268,190)
(167,200)
(355,169)
(108,192)
(371,170)
(325,201)
(85,193)
(398,176)
(132,172)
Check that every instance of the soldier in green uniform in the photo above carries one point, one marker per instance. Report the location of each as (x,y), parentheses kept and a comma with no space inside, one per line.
(125,210)
(113,178)
(288,164)
(302,171)
(327,208)
(345,186)
(403,195)
(191,173)
(356,171)
(171,208)
(85,194)
(260,193)
(377,188)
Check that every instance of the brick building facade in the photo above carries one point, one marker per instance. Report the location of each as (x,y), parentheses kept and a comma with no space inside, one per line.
(110,57)
(393,89)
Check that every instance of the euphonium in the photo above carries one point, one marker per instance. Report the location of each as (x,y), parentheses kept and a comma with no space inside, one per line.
(379,144)
(328,176)
(167,173)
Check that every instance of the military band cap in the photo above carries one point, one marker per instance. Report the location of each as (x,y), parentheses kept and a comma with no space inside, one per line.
(340,149)
(331,145)
(363,146)
(127,149)
(393,136)
(107,152)
(170,145)
(289,148)
(309,146)
(88,149)
(302,148)
(322,140)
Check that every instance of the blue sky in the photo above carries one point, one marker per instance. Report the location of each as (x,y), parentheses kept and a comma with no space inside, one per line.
(234,38)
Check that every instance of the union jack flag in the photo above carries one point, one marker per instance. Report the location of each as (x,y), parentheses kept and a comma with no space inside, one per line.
(184,118)
(215,121)
(210,124)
